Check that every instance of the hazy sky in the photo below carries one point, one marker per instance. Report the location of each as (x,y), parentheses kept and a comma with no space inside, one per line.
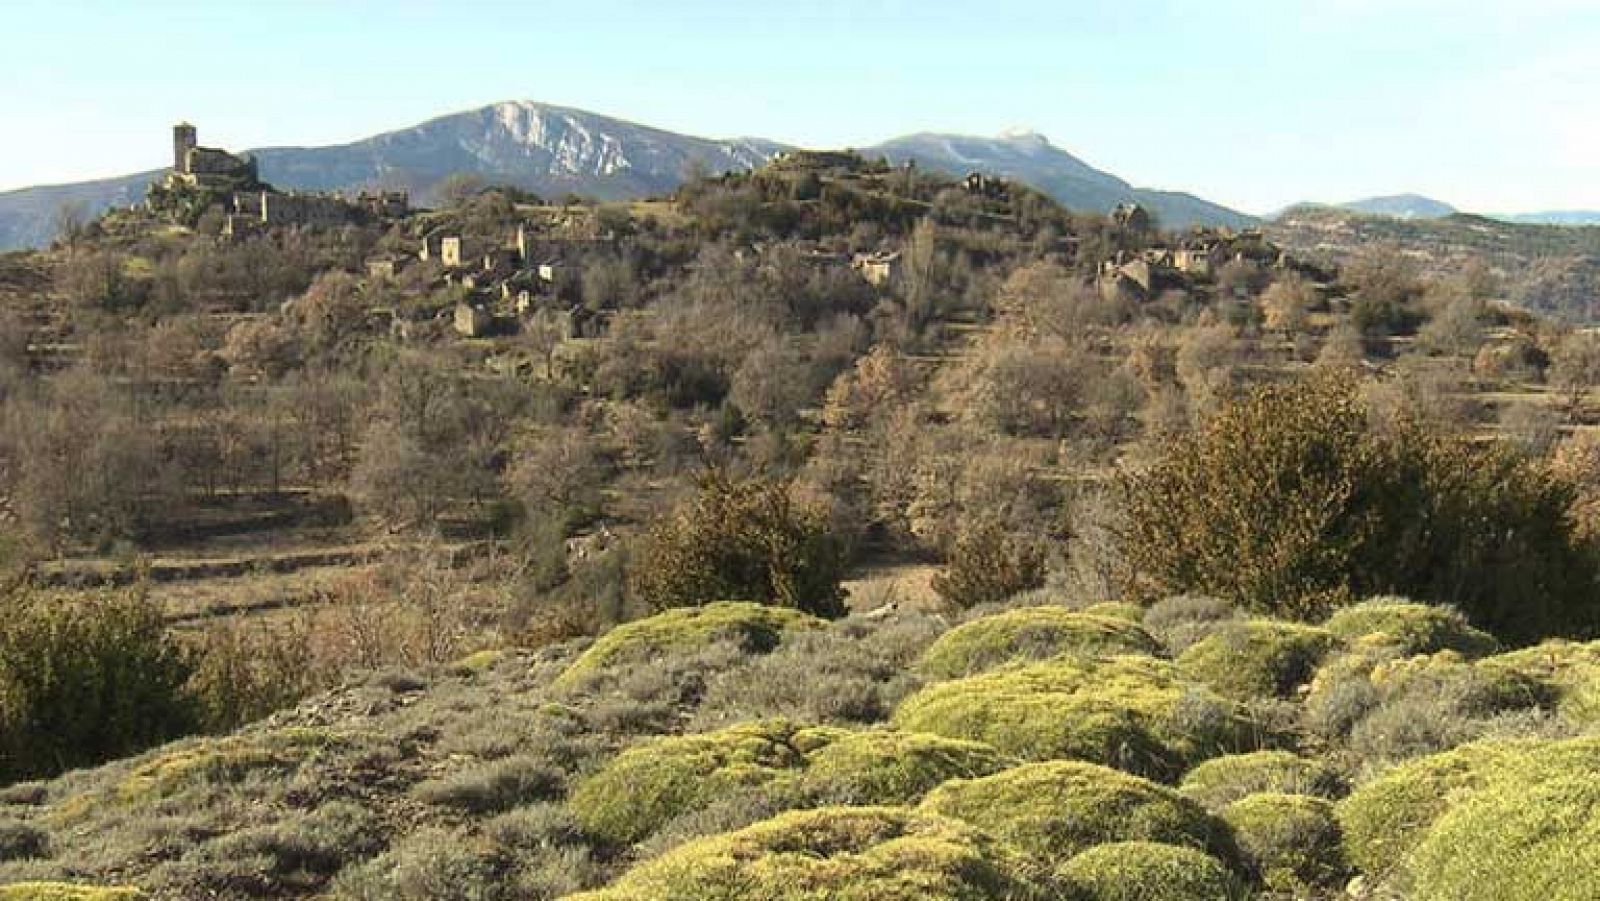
(1492,106)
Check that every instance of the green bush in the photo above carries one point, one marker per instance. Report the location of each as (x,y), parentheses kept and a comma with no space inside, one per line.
(1131,713)
(1523,835)
(1058,809)
(1257,659)
(1411,628)
(1291,503)
(1434,702)
(1383,707)
(493,787)
(854,671)
(742,539)
(295,854)
(1292,842)
(1571,671)
(1386,818)
(756,628)
(207,762)
(1182,621)
(1387,821)
(1224,780)
(22,841)
(843,854)
(1122,610)
(1148,871)
(82,681)
(651,783)
(885,766)
(989,564)
(768,765)
(430,864)
(1031,633)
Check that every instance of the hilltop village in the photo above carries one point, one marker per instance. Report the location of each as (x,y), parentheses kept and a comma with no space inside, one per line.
(529,275)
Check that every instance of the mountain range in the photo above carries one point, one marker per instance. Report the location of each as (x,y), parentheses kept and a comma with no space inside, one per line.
(1029,157)
(1402,206)
(1416,206)
(554,150)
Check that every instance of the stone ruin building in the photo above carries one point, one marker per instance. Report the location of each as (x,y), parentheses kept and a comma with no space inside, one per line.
(252,205)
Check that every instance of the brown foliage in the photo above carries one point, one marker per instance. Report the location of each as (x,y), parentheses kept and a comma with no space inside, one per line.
(1289,502)
(742,540)
(988,564)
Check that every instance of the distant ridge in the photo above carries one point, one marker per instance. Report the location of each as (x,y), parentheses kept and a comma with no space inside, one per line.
(1402,206)
(554,150)
(1029,157)
(1555,217)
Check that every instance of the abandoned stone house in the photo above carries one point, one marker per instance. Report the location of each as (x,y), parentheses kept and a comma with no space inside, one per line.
(450,251)
(385,204)
(883,269)
(552,271)
(266,209)
(208,167)
(253,205)
(981,185)
(824,160)
(472,319)
(1132,217)
(564,324)
(385,266)
(1201,260)
(1127,277)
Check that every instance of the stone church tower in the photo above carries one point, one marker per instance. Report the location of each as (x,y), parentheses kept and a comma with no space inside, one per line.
(184,140)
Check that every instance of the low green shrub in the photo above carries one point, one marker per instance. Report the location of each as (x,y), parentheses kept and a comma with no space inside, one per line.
(1292,842)
(651,783)
(1257,659)
(891,767)
(430,864)
(746,538)
(297,854)
(1386,818)
(87,680)
(1435,702)
(1224,780)
(1521,835)
(1148,871)
(854,671)
(1131,713)
(756,628)
(1571,670)
(22,841)
(1058,809)
(1186,619)
(842,854)
(1410,627)
(1031,633)
(767,765)
(1122,610)
(200,763)
(1387,821)
(494,787)
(1342,693)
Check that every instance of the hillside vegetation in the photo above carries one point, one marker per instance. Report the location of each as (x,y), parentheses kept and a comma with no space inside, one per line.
(832,530)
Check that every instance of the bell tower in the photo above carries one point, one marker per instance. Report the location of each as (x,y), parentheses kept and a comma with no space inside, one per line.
(183,140)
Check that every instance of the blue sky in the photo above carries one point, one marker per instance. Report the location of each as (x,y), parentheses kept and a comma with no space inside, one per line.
(1493,106)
